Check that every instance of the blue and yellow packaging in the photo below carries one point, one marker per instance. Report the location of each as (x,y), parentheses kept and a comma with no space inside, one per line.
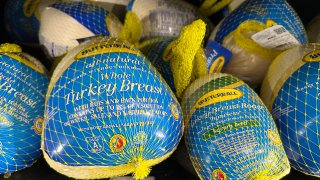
(23,85)
(256,32)
(269,12)
(154,50)
(180,60)
(157,50)
(109,113)
(291,92)
(229,132)
(64,24)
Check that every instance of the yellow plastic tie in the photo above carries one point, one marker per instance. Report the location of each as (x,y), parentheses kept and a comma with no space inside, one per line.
(132,28)
(247,43)
(262,175)
(207,4)
(270,23)
(200,66)
(209,7)
(184,50)
(142,169)
(10,48)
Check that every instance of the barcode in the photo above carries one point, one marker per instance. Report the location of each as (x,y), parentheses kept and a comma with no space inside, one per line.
(287,46)
(280,30)
(284,46)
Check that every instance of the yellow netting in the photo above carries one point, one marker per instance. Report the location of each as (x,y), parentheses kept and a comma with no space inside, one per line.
(10,48)
(132,28)
(245,42)
(200,66)
(209,7)
(184,50)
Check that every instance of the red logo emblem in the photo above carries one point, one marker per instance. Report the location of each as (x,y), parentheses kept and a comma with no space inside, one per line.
(218,174)
(117,143)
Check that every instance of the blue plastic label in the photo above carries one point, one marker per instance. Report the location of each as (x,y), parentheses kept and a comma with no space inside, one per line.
(295,111)
(108,105)
(217,56)
(130,4)
(22,92)
(231,133)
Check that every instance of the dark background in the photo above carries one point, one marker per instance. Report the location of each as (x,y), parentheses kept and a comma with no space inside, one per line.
(169,169)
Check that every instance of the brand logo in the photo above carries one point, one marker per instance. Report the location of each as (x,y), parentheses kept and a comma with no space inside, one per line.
(217,65)
(216,96)
(105,47)
(218,174)
(117,143)
(37,126)
(174,111)
(313,56)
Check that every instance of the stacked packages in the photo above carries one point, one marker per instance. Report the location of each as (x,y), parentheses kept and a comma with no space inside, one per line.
(126,88)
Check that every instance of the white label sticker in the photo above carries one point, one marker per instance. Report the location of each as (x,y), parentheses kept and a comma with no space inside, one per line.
(275,37)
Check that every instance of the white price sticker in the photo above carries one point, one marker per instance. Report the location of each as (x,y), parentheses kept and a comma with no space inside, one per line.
(275,37)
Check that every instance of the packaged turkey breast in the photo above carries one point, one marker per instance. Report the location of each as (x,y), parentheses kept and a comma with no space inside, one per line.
(256,32)
(291,90)
(23,85)
(229,132)
(109,113)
